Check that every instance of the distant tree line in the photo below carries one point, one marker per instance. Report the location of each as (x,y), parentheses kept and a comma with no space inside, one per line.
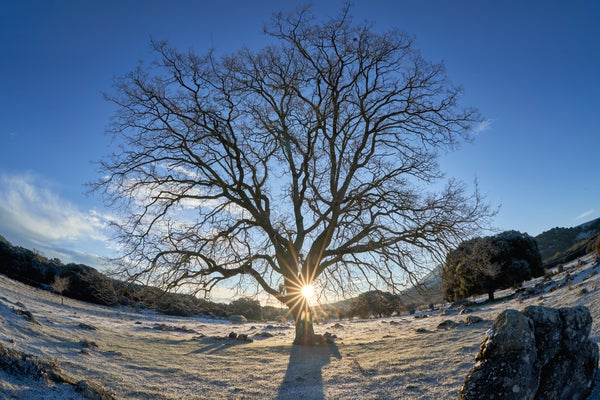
(477,266)
(486,264)
(85,283)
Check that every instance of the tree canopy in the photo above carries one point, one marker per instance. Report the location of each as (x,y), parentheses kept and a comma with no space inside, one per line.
(375,302)
(484,265)
(310,161)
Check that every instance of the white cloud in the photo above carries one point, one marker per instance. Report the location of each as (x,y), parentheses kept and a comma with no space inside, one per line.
(586,214)
(483,126)
(31,213)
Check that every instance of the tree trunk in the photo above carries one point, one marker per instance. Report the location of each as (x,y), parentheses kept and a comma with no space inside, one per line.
(303,319)
(305,333)
(490,295)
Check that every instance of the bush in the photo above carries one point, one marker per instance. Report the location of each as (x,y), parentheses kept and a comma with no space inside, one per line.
(87,284)
(271,313)
(183,305)
(247,307)
(376,303)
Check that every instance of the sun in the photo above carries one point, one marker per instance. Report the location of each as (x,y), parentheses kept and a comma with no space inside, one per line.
(308,291)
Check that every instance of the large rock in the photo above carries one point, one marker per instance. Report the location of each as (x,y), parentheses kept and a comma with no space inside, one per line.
(505,367)
(577,327)
(548,331)
(541,353)
(237,319)
(15,362)
(570,376)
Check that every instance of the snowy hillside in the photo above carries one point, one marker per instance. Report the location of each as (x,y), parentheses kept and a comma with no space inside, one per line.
(142,355)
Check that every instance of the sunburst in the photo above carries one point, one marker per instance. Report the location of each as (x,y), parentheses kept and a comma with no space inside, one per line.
(307,291)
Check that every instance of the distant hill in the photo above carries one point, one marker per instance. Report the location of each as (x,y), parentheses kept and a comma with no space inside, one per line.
(560,245)
(86,283)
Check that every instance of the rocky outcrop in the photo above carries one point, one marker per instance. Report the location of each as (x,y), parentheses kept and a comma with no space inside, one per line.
(15,362)
(540,353)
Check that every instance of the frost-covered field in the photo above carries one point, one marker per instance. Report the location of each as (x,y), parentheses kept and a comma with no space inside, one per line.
(403,357)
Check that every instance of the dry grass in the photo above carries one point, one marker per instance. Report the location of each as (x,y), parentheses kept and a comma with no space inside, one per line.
(400,357)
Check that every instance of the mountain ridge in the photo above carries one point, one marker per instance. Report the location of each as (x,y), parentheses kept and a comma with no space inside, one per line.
(560,245)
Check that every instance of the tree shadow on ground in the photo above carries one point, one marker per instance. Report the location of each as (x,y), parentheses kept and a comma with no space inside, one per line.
(212,345)
(304,375)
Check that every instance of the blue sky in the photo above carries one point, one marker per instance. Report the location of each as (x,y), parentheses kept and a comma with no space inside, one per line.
(531,67)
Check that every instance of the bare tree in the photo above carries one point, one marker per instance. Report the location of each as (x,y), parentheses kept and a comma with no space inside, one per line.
(60,285)
(311,161)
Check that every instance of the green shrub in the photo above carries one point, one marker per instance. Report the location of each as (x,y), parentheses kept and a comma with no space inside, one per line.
(484,265)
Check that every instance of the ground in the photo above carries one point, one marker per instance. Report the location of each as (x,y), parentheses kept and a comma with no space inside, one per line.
(143,355)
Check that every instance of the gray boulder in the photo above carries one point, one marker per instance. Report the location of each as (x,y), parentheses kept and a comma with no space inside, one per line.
(505,366)
(570,376)
(548,331)
(238,319)
(473,319)
(541,353)
(577,327)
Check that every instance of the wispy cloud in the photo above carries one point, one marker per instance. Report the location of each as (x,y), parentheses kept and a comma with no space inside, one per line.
(33,214)
(586,214)
(483,126)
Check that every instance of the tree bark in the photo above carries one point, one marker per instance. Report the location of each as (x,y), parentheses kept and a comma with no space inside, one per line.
(303,320)
(305,333)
